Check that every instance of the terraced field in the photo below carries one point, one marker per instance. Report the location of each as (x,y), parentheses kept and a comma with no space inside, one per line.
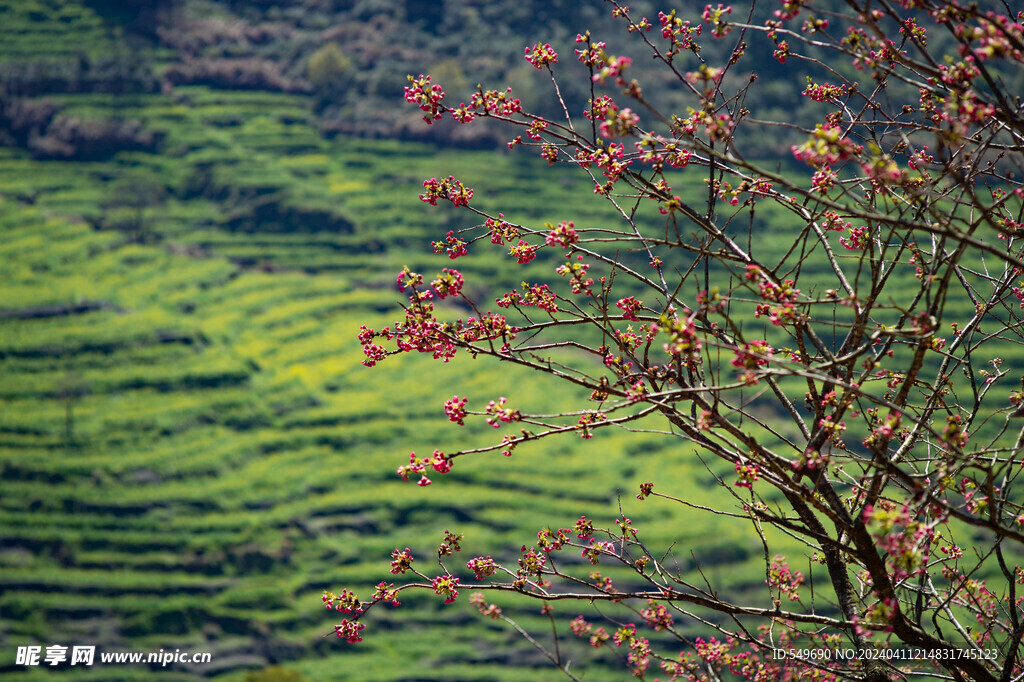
(190,448)
(191,451)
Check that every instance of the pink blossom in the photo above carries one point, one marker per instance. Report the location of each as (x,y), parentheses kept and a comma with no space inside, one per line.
(747,473)
(448,188)
(716,17)
(482,567)
(523,252)
(541,55)
(629,306)
(350,630)
(564,235)
(428,97)
(448,283)
(447,587)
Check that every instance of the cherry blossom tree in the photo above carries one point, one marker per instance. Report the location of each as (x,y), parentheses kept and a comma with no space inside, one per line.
(893,447)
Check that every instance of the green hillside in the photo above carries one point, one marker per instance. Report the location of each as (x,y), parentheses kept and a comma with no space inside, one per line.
(190,448)
(192,451)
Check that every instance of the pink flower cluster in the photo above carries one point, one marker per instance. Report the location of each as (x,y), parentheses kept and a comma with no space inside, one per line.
(629,307)
(537,295)
(600,108)
(906,541)
(495,102)
(418,465)
(859,239)
(790,9)
(564,235)
(538,126)
(482,567)
(551,541)
(781,51)
(490,610)
(581,628)
(446,586)
(386,592)
(584,528)
(596,549)
(447,188)
(576,271)
(823,180)
(612,67)
(619,124)
(680,34)
(747,474)
(401,561)
(531,564)
(587,420)
(524,252)
(657,616)
(832,222)
(824,92)
(500,230)
(683,339)
(609,160)
(997,36)
(658,152)
(540,296)
(448,283)
(497,413)
(825,147)
(420,330)
(716,17)
(346,602)
(881,431)
(454,407)
(639,649)
(541,55)
(751,357)
(372,351)
(426,96)
(407,279)
(591,54)
(783,579)
(453,246)
(450,544)
(350,629)
(785,296)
